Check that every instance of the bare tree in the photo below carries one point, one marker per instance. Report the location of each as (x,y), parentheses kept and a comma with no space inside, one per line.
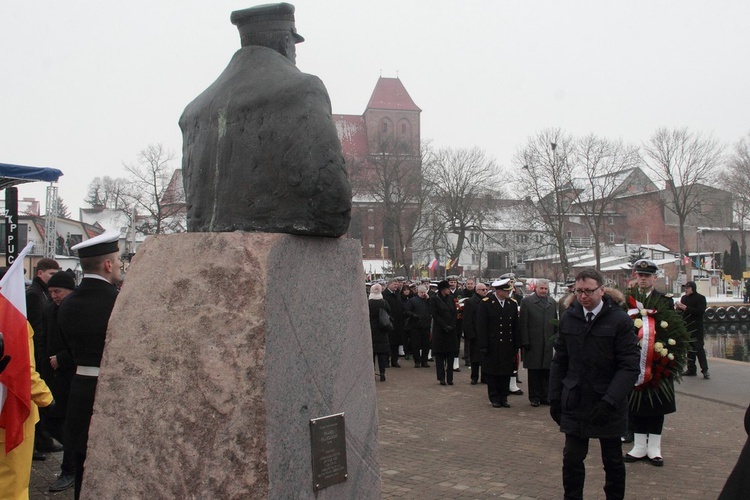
(149,179)
(544,174)
(684,161)
(108,192)
(599,162)
(462,181)
(737,175)
(392,177)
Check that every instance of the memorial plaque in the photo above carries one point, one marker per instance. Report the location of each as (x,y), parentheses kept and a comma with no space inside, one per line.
(328,443)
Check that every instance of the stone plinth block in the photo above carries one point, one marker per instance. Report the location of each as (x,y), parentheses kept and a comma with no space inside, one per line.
(221,348)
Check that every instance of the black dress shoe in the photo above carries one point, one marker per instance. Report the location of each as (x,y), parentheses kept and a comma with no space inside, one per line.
(497,405)
(395,364)
(417,366)
(382,377)
(628,438)
(630,458)
(706,375)
(657,461)
(474,382)
(535,403)
(442,382)
(63,482)
(505,404)
(457,369)
(450,383)
(425,365)
(519,392)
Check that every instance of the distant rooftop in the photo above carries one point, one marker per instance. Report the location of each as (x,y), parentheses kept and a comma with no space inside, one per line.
(390,93)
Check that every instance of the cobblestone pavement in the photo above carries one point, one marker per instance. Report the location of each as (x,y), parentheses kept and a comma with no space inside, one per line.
(447,442)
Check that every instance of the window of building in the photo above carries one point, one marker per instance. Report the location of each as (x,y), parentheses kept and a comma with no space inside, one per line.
(611,237)
(658,255)
(610,220)
(522,238)
(474,237)
(384,126)
(570,235)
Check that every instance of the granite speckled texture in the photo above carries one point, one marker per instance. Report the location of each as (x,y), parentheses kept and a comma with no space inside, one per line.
(220,349)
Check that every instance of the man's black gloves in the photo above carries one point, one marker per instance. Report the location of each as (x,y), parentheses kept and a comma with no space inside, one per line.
(555,411)
(601,413)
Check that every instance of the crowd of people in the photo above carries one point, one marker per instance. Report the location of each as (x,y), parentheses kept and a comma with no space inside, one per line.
(67,327)
(604,361)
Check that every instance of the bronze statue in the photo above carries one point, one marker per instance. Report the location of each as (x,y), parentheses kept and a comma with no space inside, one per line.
(260,149)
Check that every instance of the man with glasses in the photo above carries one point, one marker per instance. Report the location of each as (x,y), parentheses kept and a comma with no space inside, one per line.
(593,370)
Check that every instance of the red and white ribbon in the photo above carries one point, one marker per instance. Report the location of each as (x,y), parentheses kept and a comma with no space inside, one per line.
(647,336)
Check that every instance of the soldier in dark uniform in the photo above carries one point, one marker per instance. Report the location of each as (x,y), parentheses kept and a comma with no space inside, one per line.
(647,420)
(498,339)
(83,317)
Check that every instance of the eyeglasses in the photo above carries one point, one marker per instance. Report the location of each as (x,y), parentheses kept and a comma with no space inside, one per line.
(588,293)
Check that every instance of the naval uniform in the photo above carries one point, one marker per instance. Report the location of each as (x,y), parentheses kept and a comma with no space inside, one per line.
(83,317)
(498,339)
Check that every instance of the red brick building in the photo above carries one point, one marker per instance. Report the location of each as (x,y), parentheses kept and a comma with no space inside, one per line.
(382,151)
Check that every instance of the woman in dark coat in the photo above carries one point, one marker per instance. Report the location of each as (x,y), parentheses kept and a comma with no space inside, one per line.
(380,343)
(444,340)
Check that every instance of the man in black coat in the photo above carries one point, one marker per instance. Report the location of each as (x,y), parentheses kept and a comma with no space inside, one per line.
(418,310)
(83,318)
(498,339)
(693,306)
(471,306)
(593,370)
(392,295)
(37,301)
(444,342)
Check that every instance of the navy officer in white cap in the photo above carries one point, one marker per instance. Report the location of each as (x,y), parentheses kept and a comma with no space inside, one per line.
(83,319)
(498,339)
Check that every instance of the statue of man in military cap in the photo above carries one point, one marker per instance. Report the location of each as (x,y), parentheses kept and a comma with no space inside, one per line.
(260,149)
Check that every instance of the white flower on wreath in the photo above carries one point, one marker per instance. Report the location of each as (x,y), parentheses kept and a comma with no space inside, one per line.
(672,342)
(664,324)
(658,346)
(638,323)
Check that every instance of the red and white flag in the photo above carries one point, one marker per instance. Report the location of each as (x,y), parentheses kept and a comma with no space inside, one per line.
(15,380)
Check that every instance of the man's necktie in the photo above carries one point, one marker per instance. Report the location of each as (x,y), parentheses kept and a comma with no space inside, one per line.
(589,317)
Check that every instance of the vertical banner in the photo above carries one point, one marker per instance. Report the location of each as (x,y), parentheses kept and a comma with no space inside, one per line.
(11,225)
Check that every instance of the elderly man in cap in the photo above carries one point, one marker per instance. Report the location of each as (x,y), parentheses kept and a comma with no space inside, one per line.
(693,306)
(83,318)
(444,343)
(498,339)
(60,285)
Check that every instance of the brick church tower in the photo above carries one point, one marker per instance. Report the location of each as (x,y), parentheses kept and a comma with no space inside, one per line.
(382,151)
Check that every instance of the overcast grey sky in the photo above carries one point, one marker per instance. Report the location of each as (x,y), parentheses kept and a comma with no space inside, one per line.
(85,85)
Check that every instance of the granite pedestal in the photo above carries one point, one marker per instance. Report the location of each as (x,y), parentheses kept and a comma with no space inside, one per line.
(221,349)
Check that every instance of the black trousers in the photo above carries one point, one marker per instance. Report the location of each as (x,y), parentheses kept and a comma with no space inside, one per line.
(498,387)
(646,424)
(538,385)
(420,344)
(444,365)
(697,351)
(574,472)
